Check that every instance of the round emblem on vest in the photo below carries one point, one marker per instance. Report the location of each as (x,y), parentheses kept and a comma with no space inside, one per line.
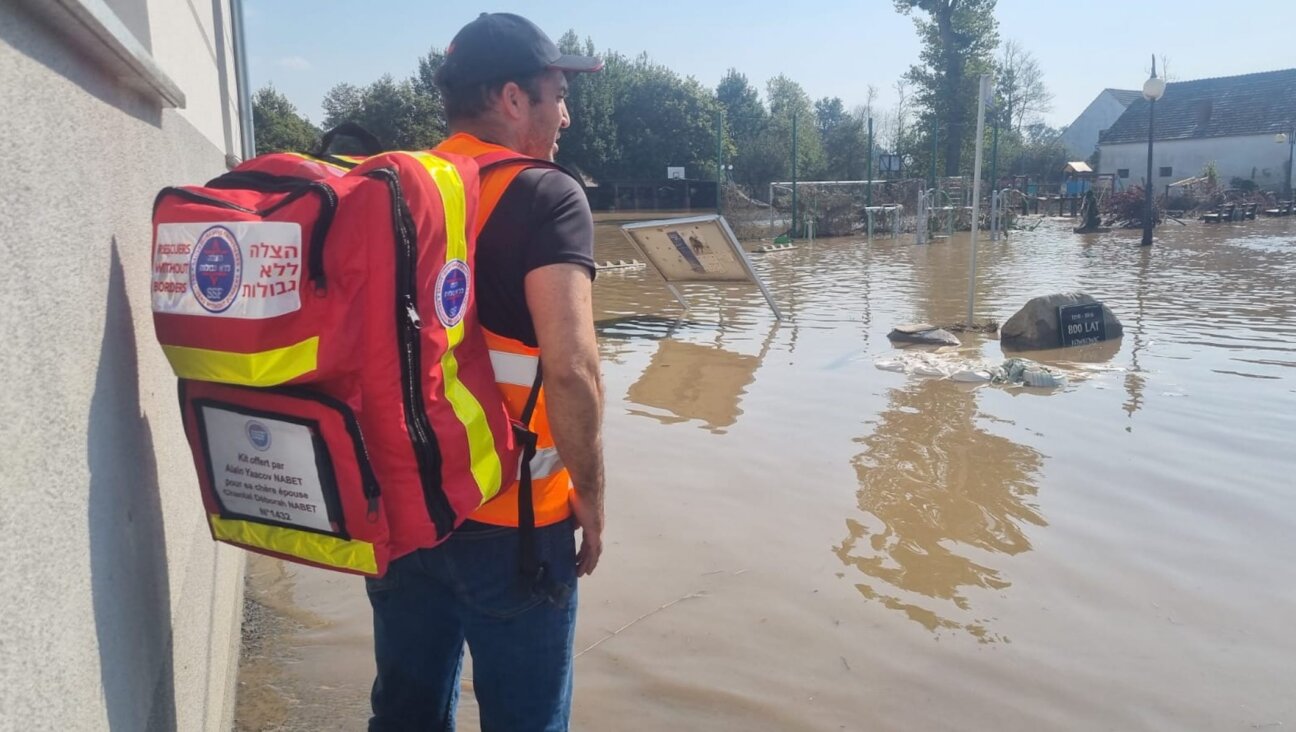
(258,435)
(216,269)
(452,292)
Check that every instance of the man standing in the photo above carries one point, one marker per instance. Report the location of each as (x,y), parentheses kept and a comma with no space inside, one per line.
(504,87)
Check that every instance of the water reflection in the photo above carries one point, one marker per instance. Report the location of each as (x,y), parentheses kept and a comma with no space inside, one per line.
(1135,379)
(937,490)
(692,381)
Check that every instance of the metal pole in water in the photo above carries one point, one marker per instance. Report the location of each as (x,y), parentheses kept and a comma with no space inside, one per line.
(771,208)
(868,197)
(794,185)
(994,215)
(983,91)
(719,161)
(935,136)
(994,155)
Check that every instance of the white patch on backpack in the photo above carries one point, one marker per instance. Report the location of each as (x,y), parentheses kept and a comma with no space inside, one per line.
(250,270)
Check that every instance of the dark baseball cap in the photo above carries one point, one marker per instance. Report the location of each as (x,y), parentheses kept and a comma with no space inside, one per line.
(505,46)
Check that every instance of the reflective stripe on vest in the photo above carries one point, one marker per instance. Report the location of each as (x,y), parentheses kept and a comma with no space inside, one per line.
(519,369)
(515,366)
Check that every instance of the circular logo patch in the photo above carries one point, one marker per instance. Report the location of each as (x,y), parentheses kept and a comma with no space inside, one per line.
(258,435)
(452,292)
(216,269)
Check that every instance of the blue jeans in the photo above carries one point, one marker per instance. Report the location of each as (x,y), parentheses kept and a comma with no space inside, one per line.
(469,589)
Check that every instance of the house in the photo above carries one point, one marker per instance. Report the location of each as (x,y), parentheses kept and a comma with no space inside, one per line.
(120,612)
(1230,122)
(1081,136)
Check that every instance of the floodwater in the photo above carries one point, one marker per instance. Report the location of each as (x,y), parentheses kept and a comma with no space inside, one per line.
(801,541)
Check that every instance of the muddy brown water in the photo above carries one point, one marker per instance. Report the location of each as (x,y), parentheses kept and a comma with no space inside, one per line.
(798,540)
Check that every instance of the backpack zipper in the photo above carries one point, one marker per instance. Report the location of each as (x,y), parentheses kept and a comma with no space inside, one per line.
(255,180)
(369,485)
(427,452)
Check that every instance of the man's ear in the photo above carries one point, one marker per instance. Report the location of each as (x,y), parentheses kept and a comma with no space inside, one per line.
(511,100)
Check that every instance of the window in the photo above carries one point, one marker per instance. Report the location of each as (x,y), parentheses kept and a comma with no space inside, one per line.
(1166,171)
(1122,173)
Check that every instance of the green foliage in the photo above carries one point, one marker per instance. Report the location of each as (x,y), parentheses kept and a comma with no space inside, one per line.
(787,100)
(958,37)
(1246,185)
(277,125)
(748,126)
(1211,173)
(845,140)
(399,113)
(590,144)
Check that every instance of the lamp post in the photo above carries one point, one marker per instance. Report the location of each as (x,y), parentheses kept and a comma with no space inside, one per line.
(1153,88)
(1288,137)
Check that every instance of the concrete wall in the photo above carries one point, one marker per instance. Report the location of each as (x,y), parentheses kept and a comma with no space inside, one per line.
(119,613)
(1081,137)
(1255,157)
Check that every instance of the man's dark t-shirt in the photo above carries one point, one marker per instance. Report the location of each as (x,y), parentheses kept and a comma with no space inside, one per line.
(543,218)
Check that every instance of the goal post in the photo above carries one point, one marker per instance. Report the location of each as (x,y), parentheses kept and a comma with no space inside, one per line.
(838,207)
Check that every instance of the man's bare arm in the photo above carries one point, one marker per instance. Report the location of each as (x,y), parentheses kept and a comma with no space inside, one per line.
(559,297)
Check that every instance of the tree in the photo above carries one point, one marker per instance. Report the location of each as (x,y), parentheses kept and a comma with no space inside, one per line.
(745,116)
(958,37)
(278,126)
(1019,86)
(399,114)
(787,100)
(590,145)
(899,118)
(661,119)
(747,122)
(845,139)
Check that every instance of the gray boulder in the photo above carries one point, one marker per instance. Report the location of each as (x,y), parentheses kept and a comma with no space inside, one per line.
(923,334)
(1035,326)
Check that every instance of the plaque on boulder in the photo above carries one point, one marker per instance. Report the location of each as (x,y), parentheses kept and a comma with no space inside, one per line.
(1040,325)
(1080,325)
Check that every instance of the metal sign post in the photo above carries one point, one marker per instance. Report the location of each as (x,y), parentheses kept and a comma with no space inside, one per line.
(983,92)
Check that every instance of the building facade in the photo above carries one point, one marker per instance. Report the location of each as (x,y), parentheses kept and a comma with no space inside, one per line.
(1230,123)
(119,611)
(1081,136)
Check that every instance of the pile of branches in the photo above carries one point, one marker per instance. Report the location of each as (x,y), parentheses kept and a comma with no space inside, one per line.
(1127,208)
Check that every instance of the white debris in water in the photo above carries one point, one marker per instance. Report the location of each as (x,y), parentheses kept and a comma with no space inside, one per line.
(1014,371)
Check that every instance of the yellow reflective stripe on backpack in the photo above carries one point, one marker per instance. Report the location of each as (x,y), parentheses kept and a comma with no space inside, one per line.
(487,470)
(323,549)
(264,368)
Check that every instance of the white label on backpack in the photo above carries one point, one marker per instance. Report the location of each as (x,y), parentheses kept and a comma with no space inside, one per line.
(265,469)
(232,269)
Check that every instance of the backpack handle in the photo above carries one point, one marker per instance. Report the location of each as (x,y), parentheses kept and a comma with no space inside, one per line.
(352,130)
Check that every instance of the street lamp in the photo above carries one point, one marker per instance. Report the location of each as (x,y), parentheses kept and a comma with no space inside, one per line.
(1290,139)
(1153,88)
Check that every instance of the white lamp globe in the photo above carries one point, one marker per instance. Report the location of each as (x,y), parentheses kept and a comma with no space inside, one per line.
(1281,138)
(1153,88)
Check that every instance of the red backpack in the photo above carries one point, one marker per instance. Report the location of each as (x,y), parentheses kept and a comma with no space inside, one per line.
(335,385)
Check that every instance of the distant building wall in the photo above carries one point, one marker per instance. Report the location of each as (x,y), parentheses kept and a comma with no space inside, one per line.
(119,612)
(1081,137)
(1254,157)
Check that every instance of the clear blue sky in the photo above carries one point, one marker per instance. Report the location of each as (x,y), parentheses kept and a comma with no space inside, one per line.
(831,47)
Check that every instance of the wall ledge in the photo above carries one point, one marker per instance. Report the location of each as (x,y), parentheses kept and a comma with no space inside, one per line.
(102,36)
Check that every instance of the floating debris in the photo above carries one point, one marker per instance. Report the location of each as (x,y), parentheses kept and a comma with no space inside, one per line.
(776,247)
(1012,372)
(620,264)
(924,334)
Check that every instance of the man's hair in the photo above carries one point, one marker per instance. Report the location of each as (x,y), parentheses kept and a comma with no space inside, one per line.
(470,101)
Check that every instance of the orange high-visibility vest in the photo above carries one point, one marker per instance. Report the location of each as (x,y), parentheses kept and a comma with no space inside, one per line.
(516,364)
